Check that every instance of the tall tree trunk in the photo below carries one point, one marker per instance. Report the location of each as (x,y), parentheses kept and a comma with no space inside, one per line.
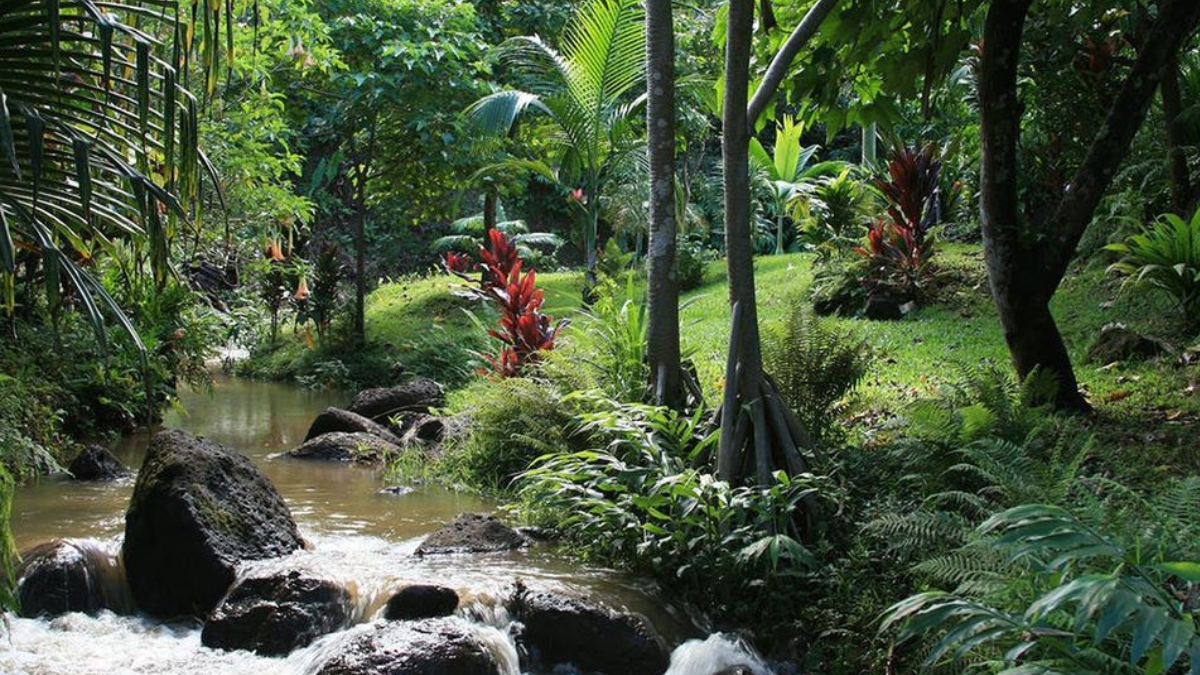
(746,351)
(1026,263)
(662,333)
(360,236)
(759,433)
(1181,179)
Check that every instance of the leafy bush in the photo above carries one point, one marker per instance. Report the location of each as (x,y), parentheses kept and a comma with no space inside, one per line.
(511,422)
(326,298)
(1166,256)
(692,260)
(815,365)
(613,345)
(984,400)
(1078,596)
(641,497)
(831,216)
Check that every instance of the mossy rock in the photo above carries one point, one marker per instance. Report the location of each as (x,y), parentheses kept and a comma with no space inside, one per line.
(198,511)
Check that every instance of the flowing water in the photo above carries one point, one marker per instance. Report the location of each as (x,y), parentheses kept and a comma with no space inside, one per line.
(360,535)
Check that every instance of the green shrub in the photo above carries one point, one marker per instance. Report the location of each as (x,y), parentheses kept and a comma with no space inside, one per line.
(511,422)
(1166,256)
(640,497)
(692,260)
(984,400)
(815,365)
(1080,591)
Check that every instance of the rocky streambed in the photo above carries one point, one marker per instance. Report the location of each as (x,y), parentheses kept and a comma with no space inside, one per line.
(227,555)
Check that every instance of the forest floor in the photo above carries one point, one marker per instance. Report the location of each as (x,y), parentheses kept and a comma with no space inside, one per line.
(1146,412)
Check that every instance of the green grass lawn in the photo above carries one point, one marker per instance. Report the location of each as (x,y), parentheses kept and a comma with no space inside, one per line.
(417,325)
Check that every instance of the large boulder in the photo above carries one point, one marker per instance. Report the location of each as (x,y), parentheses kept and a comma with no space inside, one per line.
(1119,343)
(472,533)
(338,446)
(276,614)
(430,647)
(198,510)
(96,463)
(417,396)
(336,419)
(595,639)
(421,601)
(62,576)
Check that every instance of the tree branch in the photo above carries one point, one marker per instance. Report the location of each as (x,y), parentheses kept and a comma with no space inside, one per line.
(787,53)
(1177,19)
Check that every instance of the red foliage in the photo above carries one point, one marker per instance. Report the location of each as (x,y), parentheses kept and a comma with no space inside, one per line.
(523,329)
(458,263)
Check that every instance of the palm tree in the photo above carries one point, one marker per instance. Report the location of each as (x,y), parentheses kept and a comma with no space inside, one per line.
(97,137)
(584,91)
(787,169)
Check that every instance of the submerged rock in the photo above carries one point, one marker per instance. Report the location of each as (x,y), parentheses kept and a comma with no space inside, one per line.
(336,419)
(1118,343)
(381,404)
(62,576)
(472,533)
(198,510)
(338,446)
(277,614)
(96,463)
(421,601)
(430,647)
(563,630)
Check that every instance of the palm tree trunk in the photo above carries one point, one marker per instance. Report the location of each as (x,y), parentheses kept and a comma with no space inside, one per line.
(662,333)
(759,434)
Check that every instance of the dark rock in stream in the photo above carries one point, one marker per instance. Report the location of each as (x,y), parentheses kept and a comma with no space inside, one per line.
(380,405)
(277,614)
(96,463)
(198,510)
(421,601)
(336,446)
(430,647)
(559,630)
(62,576)
(472,533)
(336,419)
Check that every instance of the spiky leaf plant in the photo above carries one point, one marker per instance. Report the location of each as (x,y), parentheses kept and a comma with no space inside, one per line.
(588,94)
(1166,256)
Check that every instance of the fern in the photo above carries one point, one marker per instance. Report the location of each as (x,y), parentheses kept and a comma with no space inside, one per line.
(815,366)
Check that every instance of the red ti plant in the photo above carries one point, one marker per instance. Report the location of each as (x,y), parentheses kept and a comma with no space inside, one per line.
(458,263)
(524,331)
(899,247)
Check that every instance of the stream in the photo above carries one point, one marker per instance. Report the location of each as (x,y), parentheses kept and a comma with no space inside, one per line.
(359,535)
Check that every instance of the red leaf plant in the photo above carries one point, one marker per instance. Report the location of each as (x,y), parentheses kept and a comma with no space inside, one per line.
(458,263)
(523,330)
(900,246)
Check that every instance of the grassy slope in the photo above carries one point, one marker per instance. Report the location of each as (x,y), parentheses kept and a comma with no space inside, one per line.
(1148,407)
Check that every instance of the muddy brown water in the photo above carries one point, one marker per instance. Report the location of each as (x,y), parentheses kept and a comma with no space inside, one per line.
(360,535)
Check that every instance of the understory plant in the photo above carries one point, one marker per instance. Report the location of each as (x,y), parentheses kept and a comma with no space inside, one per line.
(1105,588)
(900,245)
(512,421)
(1166,256)
(815,365)
(642,497)
(524,331)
